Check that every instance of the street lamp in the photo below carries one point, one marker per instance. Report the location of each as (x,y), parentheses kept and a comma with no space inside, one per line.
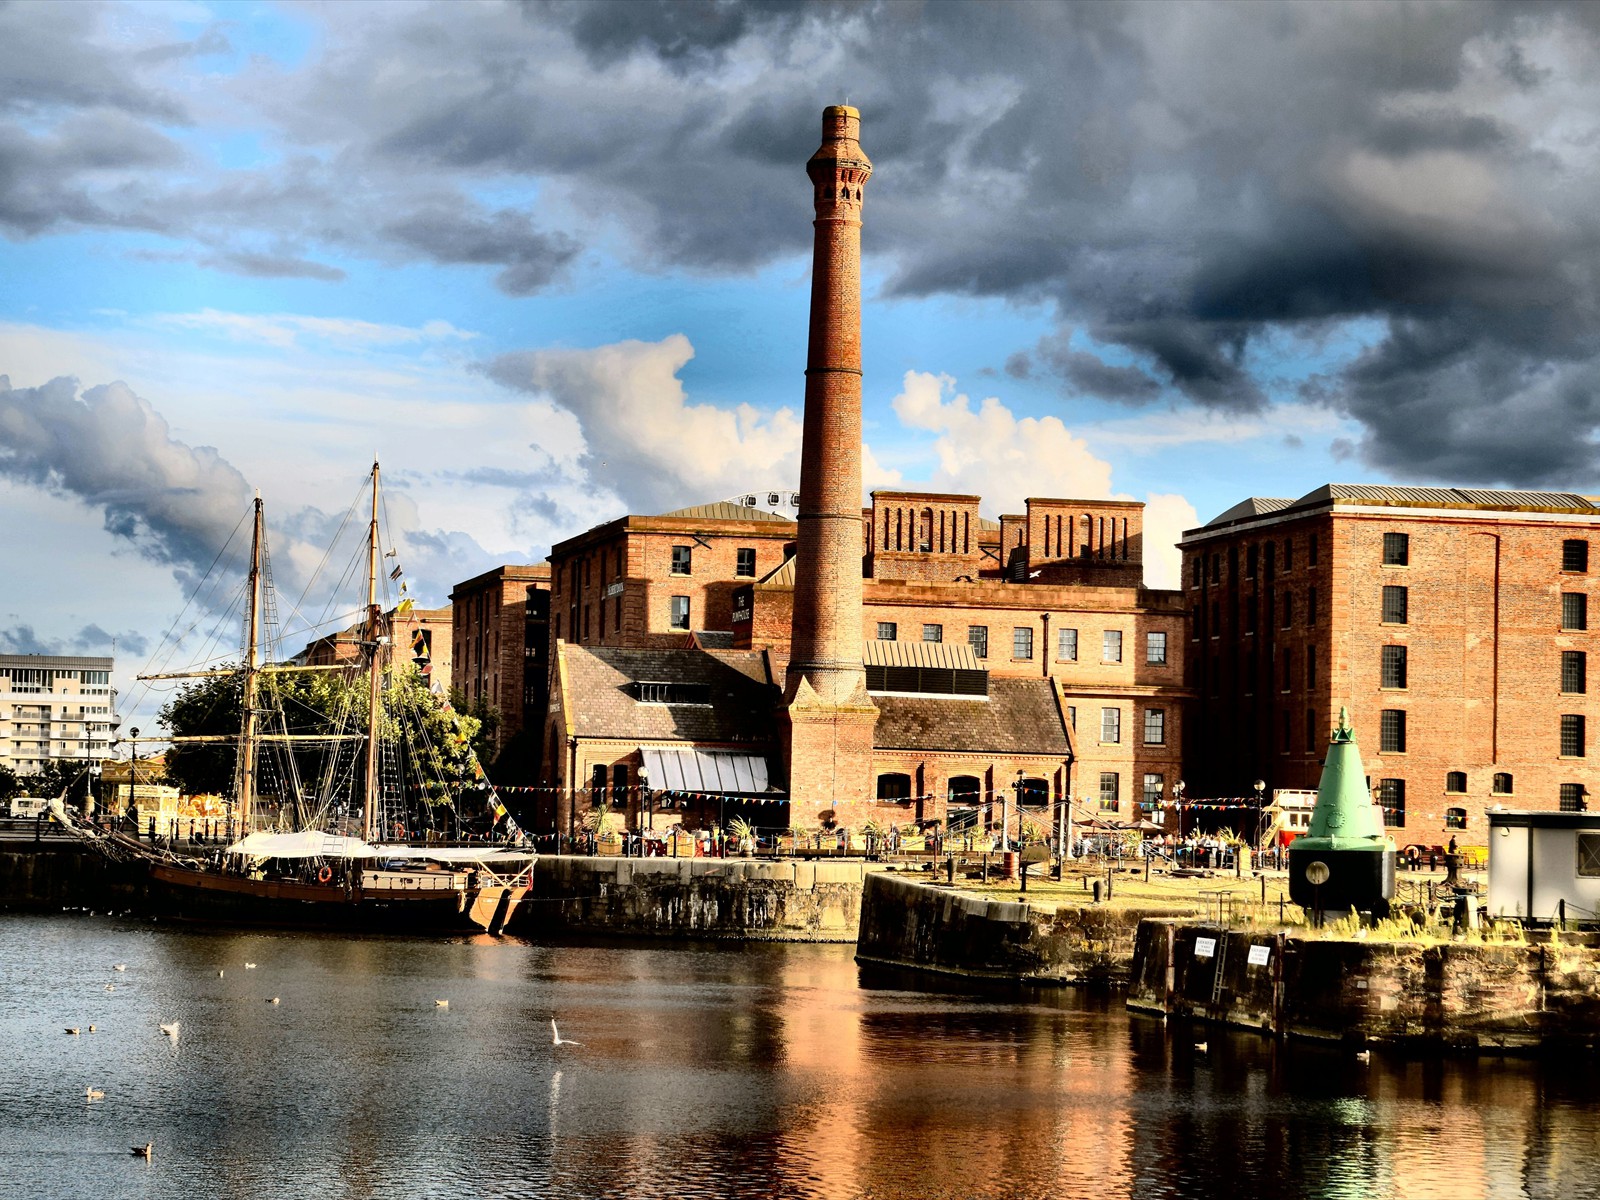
(1005,814)
(1178,788)
(644,798)
(1261,791)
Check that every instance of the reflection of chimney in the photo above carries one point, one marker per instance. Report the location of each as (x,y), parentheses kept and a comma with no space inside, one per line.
(830,715)
(826,647)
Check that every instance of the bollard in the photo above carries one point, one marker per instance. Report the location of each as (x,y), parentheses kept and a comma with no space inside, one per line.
(986,867)
(950,869)
(1562,904)
(1263,891)
(1024,888)
(1280,910)
(1086,883)
(1096,890)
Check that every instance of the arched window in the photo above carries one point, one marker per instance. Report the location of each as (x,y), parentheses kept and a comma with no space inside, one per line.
(1455,781)
(1503,784)
(1033,793)
(1455,818)
(925,542)
(895,786)
(965,791)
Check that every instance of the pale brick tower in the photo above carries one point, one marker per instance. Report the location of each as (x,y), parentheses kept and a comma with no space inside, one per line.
(830,717)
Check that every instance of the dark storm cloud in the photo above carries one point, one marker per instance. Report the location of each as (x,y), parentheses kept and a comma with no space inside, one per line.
(91,639)
(1189,186)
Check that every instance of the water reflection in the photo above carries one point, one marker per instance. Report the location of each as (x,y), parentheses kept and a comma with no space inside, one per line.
(767,1071)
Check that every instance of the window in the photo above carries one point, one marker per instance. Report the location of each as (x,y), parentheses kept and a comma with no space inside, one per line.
(682,560)
(680,612)
(1022,642)
(1155,726)
(1072,716)
(1396,549)
(1250,615)
(1288,555)
(1395,607)
(1574,555)
(1311,729)
(1250,563)
(1155,649)
(1392,731)
(894,787)
(1154,786)
(1216,568)
(1392,799)
(1574,672)
(1311,605)
(1571,735)
(1285,747)
(1394,667)
(1503,784)
(1311,667)
(744,564)
(1455,781)
(1110,797)
(1110,724)
(1574,610)
(1288,670)
(978,639)
(888,631)
(1455,818)
(1033,793)
(1589,854)
(1287,619)
(1067,645)
(663,692)
(933,633)
(1199,566)
(619,785)
(597,785)
(1111,646)
(1572,797)
(1311,550)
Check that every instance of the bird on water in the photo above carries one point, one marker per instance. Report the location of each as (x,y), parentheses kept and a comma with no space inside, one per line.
(557,1039)
(142,1151)
(93,1093)
(171,1030)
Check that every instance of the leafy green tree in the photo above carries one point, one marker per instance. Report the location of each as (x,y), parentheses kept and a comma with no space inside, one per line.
(59,776)
(489,721)
(204,707)
(10,783)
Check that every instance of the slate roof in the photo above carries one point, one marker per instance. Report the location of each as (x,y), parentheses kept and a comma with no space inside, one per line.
(1254,506)
(1019,717)
(956,655)
(743,706)
(1430,497)
(726,510)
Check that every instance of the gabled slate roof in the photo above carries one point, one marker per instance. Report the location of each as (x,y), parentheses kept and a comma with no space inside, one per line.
(1019,717)
(743,708)
(726,510)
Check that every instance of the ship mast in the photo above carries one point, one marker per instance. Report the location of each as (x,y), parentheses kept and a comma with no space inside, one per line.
(252,671)
(369,800)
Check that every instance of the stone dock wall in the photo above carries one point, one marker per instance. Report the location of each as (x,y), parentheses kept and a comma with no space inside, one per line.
(693,898)
(1457,995)
(925,928)
(59,873)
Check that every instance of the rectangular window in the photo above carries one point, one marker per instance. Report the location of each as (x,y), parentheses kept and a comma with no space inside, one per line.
(1311,668)
(1392,799)
(1022,642)
(1111,646)
(1155,727)
(1155,649)
(682,560)
(1072,716)
(888,631)
(978,639)
(1589,854)
(1392,731)
(1154,786)
(1110,724)
(1574,672)
(1575,555)
(1067,645)
(1395,605)
(1198,565)
(744,564)
(1396,549)
(1311,550)
(1574,610)
(1110,791)
(1250,563)
(1288,610)
(1394,667)
(680,612)
(1288,670)
(1216,568)
(1311,730)
(1455,818)
(1250,615)
(1288,555)
(1311,606)
(1572,795)
(933,633)
(1572,740)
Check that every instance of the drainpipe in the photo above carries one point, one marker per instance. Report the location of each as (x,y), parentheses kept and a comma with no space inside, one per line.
(1044,656)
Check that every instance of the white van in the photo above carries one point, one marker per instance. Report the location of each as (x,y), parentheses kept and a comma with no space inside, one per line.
(28,806)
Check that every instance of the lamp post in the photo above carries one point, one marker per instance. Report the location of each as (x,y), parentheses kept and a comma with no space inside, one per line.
(644,798)
(1177,803)
(133,777)
(1005,813)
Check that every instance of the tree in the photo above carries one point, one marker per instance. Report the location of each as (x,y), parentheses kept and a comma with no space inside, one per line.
(10,783)
(59,776)
(204,707)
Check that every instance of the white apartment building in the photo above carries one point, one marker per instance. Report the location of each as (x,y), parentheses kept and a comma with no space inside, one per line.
(53,706)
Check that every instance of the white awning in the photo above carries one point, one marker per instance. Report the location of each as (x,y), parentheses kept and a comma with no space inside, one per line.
(305,844)
(705,771)
(453,854)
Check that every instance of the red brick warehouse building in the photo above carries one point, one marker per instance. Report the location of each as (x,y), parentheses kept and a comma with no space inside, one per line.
(1453,624)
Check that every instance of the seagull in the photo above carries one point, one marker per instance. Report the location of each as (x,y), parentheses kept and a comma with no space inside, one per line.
(441,1004)
(73,1030)
(93,1093)
(272,1000)
(142,1151)
(1200,1047)
(120,967)
(1363,1056)
(249,966)
(91,1029)
(111,987)
(171,1030)
(558,1040)
(219,974)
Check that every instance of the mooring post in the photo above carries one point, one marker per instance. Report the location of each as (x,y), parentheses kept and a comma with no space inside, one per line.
(1096,890)
(1263,891)
(950,869)
(985,866)
(1024,874)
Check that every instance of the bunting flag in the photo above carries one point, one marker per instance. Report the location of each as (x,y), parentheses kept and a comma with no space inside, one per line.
(405,605)
(398,571)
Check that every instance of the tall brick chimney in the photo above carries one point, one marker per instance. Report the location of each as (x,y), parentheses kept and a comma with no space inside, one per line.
(831,718)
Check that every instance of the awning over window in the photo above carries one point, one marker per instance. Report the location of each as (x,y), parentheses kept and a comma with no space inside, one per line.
(705,771)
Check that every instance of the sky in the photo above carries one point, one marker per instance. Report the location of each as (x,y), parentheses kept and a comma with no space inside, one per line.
(550,263)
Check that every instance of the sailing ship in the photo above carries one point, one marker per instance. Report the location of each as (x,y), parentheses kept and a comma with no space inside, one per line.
(312,869)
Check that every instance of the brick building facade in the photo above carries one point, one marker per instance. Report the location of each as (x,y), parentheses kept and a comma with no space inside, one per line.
(418,637)
(1452,623)
(501,633)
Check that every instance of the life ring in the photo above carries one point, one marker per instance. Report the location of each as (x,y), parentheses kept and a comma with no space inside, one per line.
(325,875)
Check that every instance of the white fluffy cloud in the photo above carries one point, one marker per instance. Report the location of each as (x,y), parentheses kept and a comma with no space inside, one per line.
(989,451)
